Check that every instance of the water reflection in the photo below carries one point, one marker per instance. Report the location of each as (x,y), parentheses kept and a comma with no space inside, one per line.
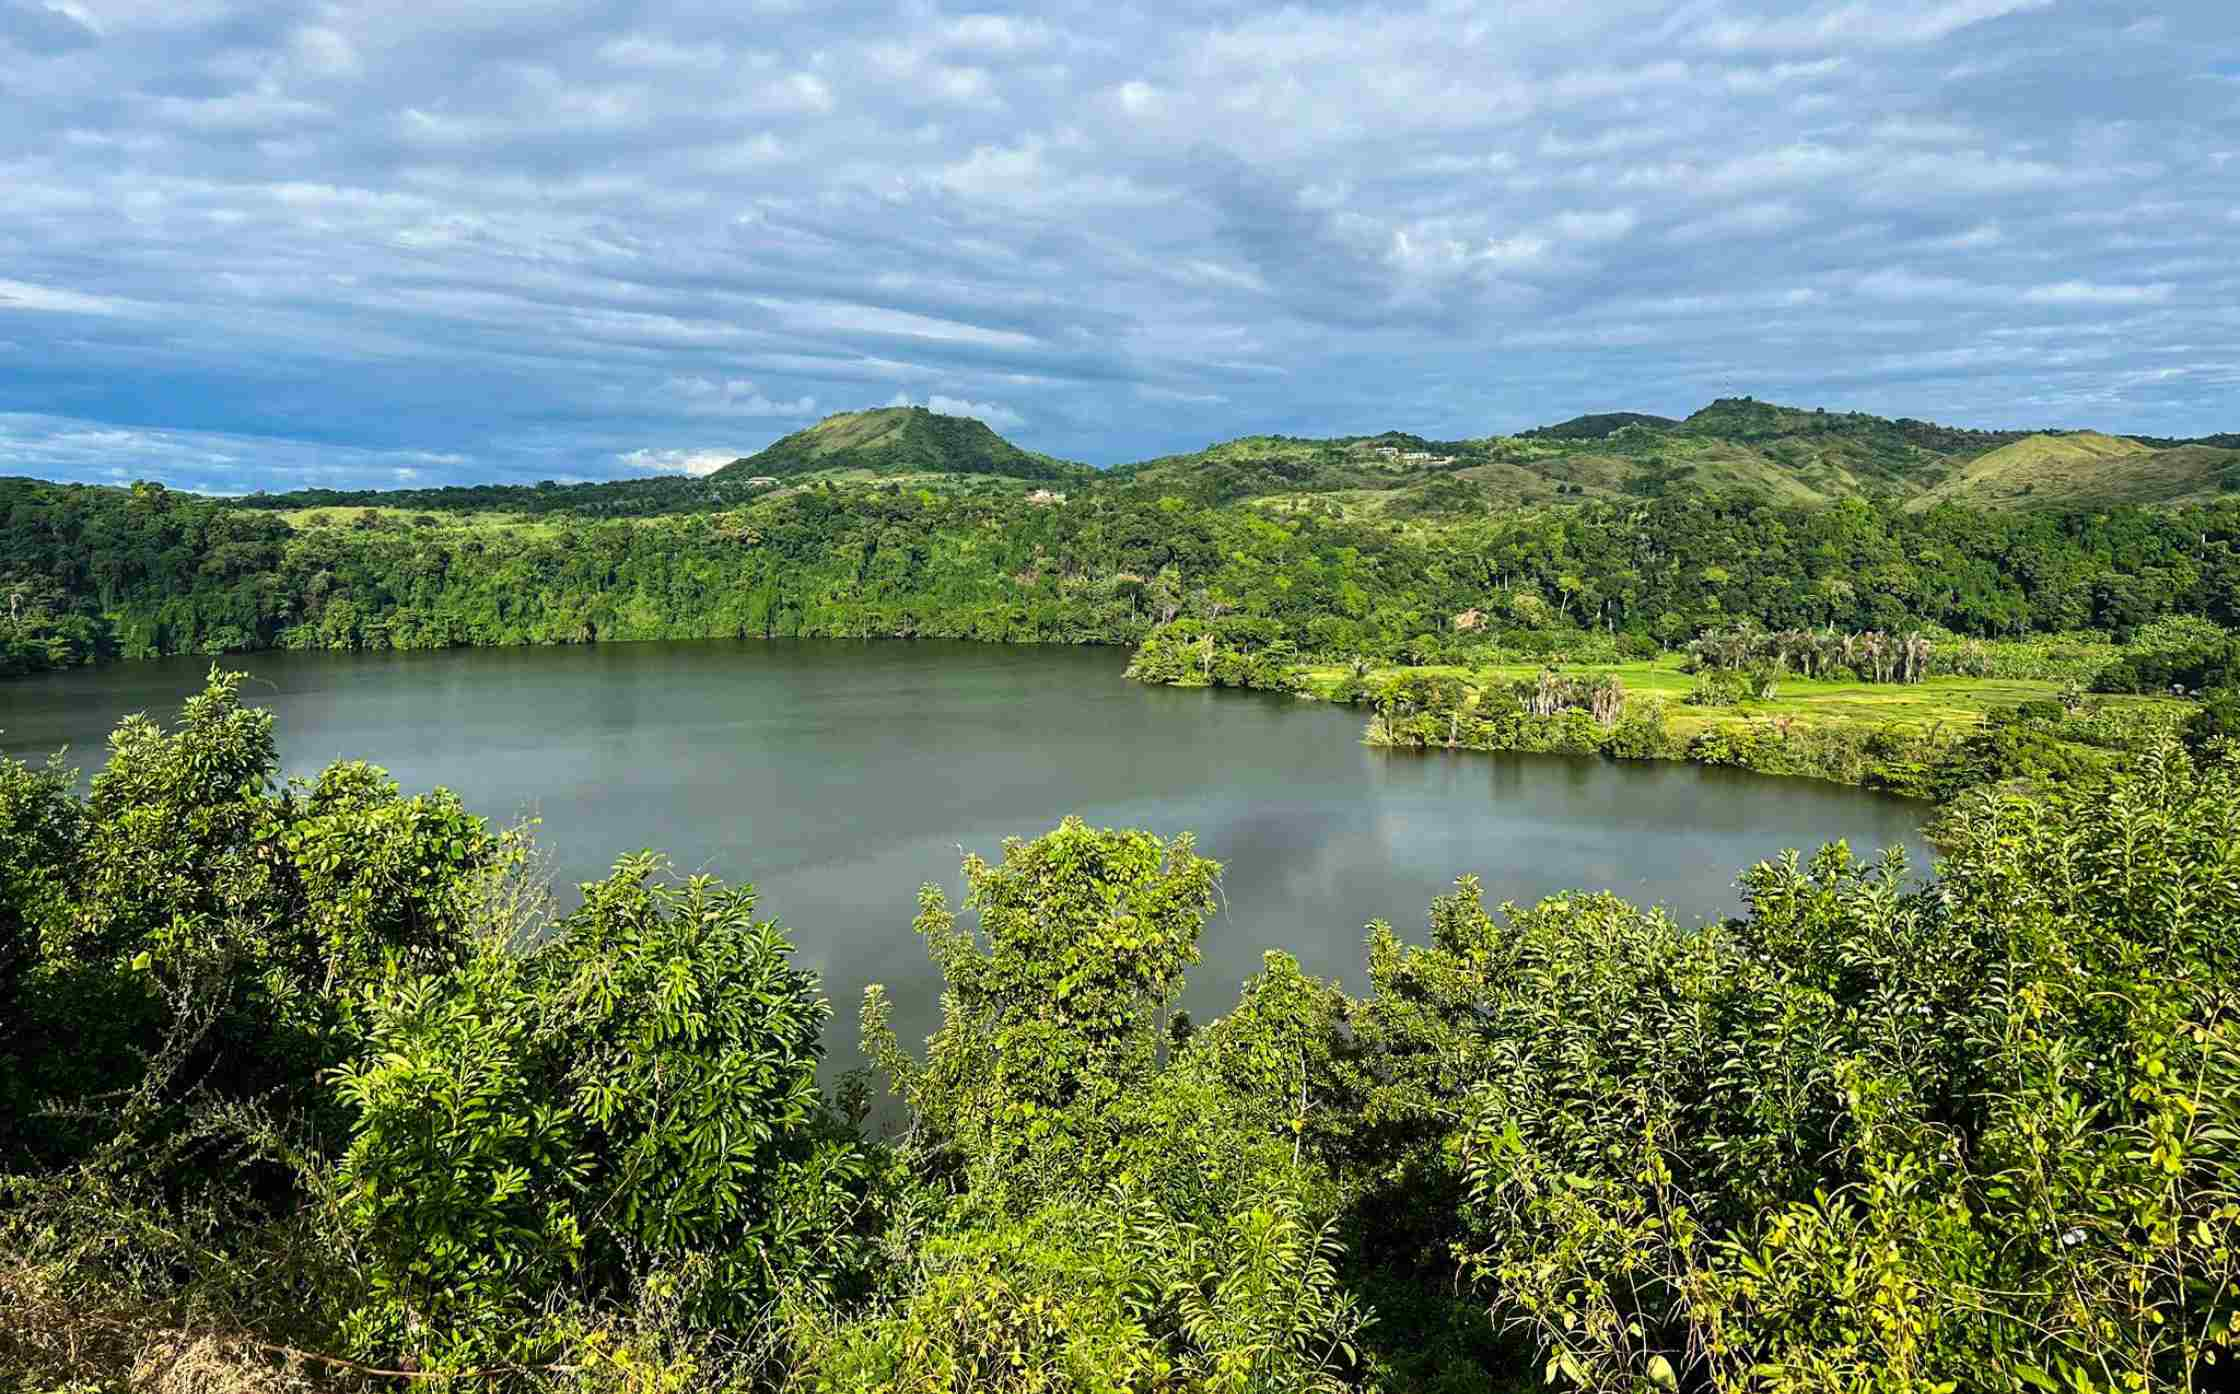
(840,776)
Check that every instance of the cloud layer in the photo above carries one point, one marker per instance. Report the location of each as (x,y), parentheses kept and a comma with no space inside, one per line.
(255,243)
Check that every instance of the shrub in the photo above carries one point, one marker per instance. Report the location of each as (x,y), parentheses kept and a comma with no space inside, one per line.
(2218,719)
(1717,687)
(1975,1135)
(1134,1223)
(1765,679)
(204,933)
(2194,669)
(636,1096)
(1641,732)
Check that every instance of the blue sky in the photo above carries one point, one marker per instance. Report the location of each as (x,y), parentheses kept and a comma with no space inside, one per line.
(250,244)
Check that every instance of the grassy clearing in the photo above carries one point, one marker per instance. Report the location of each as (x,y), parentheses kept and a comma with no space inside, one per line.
(2084,469)
(424,520)
(1938,706)
(919,479)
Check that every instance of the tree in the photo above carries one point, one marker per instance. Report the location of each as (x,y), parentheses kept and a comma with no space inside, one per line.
(1053,1007)
(635,1098)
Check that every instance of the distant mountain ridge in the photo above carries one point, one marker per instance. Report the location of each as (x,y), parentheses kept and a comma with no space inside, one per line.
(1789,455)
(896,441)
(1735,445)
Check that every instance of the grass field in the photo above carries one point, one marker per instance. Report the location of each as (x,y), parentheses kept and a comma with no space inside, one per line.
(2066,471)
(1938,705)
(407,520)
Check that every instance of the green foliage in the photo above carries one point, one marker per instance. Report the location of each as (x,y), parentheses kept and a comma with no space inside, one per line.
(1642,732)
(187,900)
(455,1127)
(44,626)
(1217,653)
(1718,687)
(1871,657)
(1053,1007)
(41,830)
(301,1054)
(1033,1309)
(1107,1297)
(2219,718)
(95,572)
(1863,1137)
(1119,1220)
(2176,654)
(1596,425)
(635,1097)
(331,1082)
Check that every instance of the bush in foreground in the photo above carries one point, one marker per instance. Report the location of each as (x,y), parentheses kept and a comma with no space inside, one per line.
(303,1085)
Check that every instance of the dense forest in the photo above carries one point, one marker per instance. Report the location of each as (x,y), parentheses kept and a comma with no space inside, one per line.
(91,572)
(305,1087)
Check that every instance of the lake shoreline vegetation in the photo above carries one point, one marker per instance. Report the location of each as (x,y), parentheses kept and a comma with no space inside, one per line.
(1372,555)
(310,1085)
(1971,712)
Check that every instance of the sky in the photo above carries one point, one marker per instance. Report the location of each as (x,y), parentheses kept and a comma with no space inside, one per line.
(283,243)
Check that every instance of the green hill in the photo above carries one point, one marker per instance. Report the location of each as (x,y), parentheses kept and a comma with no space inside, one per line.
(1736,445)
(899,440)
(1597,425)
(2088,469)
(1255,466)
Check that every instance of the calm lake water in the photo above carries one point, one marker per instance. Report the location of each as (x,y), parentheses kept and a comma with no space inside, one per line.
(840,776)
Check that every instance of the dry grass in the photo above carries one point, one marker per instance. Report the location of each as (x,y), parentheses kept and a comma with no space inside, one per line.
(56,1338)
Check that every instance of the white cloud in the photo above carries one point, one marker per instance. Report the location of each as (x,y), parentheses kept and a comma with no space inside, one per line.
(732,397)
(62,447)
(879,320)
(1904,283)
(325,52)
(994,33)
(20,295)
(799,94)
(1871,22)
(654,53)
(1755,219)
(1606,226)
(2089,293)
(1178,397)
(995,414)
(693,462)
(1137,96)
(666,220)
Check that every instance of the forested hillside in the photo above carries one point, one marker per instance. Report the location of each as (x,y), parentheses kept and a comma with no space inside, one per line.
(1736,445)
(90,572)
(101,572)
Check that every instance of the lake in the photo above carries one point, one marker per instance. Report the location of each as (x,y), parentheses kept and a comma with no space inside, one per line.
(839,776)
